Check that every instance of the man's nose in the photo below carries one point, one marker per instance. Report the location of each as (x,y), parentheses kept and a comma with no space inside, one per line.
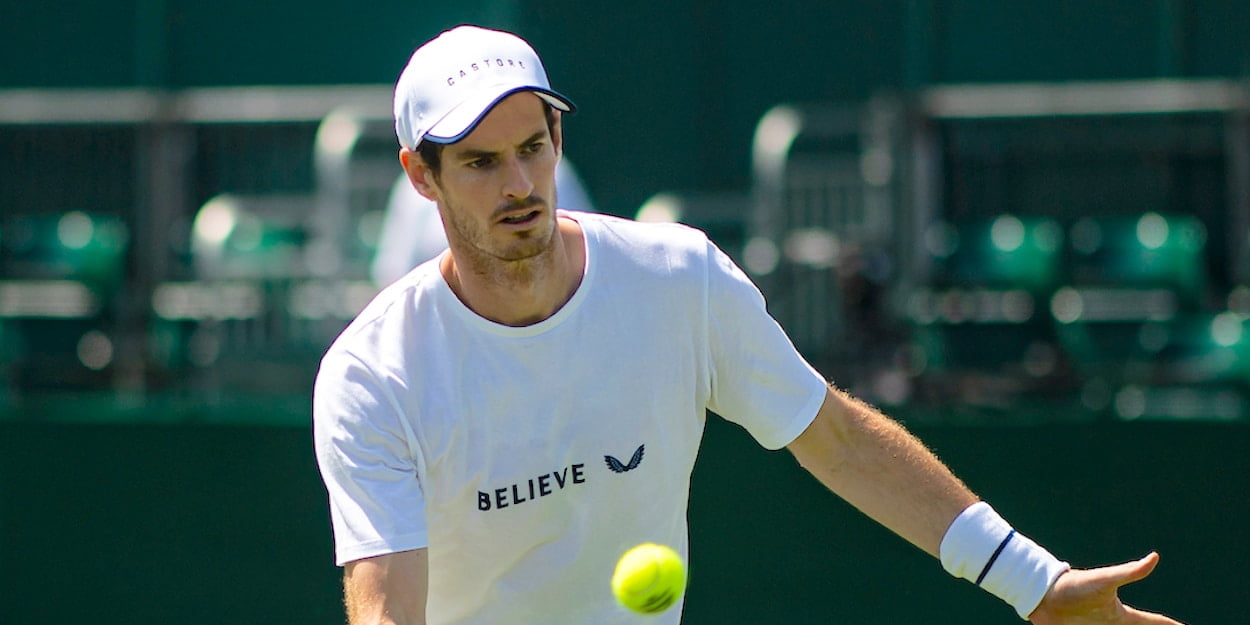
(518,184)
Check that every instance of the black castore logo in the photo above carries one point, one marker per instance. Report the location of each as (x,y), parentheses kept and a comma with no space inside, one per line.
(618,467)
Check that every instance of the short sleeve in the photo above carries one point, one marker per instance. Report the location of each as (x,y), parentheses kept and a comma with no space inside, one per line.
(759,380)
(367,461)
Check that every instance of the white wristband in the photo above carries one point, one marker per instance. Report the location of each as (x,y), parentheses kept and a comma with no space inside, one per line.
(982,548)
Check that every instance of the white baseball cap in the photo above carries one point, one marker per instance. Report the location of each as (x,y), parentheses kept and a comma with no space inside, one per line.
(454,79)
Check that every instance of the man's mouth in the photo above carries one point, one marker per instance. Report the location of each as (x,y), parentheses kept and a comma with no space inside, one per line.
(520,218)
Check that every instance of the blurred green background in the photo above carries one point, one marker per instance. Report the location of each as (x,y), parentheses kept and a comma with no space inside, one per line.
(1020,227)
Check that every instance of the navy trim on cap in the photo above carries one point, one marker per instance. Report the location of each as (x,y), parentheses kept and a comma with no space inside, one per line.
(570,108)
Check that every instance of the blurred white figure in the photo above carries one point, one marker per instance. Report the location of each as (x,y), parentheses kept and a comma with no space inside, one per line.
(412,232)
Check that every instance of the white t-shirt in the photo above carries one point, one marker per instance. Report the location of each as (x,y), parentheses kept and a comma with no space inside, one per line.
(529,459)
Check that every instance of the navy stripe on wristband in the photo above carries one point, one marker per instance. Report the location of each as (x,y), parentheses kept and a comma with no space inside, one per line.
(997,552)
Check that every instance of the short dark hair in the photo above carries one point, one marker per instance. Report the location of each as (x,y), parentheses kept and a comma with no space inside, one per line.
(432,153)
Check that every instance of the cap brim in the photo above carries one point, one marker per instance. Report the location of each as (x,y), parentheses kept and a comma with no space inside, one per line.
(461,121)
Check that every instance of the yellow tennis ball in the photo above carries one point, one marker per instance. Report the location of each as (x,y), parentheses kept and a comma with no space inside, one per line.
(649,578)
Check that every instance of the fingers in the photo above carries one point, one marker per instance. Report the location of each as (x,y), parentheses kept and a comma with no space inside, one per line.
(1138,570)
(1129,572)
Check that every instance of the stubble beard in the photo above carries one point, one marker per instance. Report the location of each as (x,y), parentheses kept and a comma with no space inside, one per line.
(522,256)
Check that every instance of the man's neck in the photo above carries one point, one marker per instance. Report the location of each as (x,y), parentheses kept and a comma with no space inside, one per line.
(520,293)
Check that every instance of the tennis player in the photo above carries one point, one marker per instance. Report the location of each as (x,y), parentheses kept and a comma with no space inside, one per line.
(499,425)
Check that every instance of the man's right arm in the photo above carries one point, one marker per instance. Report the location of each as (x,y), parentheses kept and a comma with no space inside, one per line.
(388,589)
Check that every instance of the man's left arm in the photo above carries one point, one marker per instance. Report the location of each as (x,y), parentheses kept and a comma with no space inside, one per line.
(880,468)
(877,466)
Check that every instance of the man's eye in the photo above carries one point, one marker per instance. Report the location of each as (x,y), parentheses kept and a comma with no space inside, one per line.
(532,148)
(479,163)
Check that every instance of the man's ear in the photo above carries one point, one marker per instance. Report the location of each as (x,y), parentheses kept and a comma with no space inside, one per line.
(557,132)
(422,178)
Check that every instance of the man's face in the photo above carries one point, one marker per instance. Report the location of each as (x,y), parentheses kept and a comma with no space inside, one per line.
(496,190)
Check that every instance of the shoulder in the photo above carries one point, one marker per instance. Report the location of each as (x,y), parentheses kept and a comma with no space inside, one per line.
(385,315)
(671,245)
(630,229)
(682,258)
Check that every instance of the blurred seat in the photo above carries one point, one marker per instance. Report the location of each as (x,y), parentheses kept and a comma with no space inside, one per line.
(236,236)
(1131,278)
(979,321)
(1147,253)
(257,313)
(62,274)
(1193,366)
(1138,315)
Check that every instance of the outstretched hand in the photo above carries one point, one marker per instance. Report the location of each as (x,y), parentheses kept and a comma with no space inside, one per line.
(1089,597)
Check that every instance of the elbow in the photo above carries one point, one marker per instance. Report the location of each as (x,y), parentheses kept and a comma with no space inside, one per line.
(826,448)
(820,450)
